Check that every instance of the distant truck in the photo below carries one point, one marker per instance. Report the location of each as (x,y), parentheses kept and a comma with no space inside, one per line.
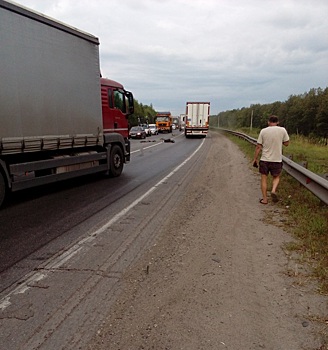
(58,118)
(197,119)
(163,122)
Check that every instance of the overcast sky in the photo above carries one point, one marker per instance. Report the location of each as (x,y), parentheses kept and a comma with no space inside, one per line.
(233,53)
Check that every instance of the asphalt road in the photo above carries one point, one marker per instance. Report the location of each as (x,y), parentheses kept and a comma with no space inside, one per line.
(65,246)
(177,253)
(34,218)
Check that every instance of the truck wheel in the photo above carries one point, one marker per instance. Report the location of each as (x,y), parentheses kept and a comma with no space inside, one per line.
(116,161)
(2,189)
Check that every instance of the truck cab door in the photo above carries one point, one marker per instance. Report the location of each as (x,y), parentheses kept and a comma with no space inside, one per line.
(114,111)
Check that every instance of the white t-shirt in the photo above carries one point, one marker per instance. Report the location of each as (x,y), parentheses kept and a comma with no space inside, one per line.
(271,139)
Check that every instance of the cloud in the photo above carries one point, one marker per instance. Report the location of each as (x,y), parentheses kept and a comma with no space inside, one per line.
(230,52)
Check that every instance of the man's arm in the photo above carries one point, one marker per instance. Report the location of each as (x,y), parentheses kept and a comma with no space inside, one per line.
(258,149)
(285,138)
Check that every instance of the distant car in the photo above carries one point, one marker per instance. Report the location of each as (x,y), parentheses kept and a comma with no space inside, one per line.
(137,132)
(146,127)
(173,127)
(153,129)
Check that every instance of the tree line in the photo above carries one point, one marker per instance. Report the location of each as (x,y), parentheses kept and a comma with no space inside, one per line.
(143,114)
(305,114)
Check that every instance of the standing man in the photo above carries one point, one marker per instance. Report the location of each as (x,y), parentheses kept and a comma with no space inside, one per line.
(270,142)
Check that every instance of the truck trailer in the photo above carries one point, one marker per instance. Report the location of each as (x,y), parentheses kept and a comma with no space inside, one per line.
(197,119)
(58,118)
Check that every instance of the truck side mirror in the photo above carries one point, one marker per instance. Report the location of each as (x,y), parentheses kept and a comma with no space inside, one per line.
(131,102)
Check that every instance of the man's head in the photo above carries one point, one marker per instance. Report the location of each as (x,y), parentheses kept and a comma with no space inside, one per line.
(273,120)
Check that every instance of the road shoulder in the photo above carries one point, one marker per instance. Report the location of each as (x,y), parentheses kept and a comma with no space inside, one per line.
(218,276)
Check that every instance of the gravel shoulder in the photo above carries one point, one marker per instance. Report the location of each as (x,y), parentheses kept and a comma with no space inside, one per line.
(218,277)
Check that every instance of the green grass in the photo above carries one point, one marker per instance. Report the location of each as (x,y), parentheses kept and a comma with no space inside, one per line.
(307,216)
(315,155)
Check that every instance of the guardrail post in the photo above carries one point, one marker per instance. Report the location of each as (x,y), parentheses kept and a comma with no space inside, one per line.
(304,164)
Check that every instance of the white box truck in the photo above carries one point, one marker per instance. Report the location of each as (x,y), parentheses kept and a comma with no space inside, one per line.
(197,119)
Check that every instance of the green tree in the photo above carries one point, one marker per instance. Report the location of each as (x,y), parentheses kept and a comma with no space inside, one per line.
(322,117)
(142,114)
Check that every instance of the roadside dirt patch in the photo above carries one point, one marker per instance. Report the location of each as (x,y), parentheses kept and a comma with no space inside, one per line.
(218,276)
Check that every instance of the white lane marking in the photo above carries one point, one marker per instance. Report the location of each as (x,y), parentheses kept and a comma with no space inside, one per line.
(57,261)
(154,145)
(142,148)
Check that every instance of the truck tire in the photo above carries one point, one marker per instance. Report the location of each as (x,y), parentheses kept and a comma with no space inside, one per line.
(2,189)
(116,161)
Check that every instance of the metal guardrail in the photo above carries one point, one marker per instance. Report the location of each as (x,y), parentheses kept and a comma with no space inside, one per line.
(313,182)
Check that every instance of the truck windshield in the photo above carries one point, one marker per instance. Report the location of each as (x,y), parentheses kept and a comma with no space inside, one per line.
(162,119)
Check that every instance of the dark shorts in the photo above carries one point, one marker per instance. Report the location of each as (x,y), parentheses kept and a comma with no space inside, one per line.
(274,168)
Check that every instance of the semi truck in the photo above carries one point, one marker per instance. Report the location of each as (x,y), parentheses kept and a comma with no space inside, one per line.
(197,119)
(59,118)
(163,121)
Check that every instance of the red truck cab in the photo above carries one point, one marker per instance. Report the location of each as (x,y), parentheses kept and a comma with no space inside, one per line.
(117,105)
